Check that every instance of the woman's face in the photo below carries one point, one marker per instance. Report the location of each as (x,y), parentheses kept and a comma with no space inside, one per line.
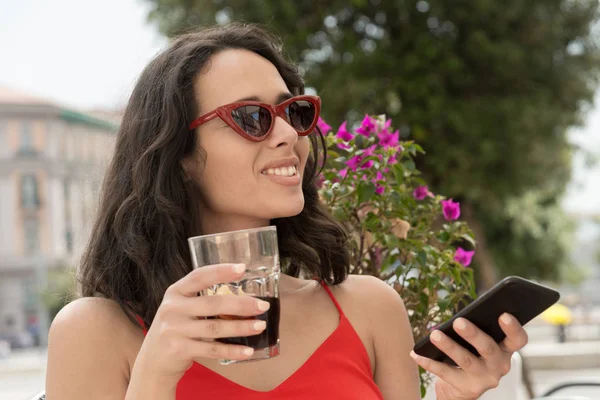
(239,190)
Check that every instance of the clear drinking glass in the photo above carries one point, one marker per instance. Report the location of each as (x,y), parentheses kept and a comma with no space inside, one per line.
(258,250)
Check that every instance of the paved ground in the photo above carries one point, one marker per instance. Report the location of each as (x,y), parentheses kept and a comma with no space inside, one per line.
(22,375)
(21,385)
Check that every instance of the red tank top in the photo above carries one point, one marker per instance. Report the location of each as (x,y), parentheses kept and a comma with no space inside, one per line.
(340,368)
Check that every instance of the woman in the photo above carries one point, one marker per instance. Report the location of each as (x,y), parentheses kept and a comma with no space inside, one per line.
(183,168)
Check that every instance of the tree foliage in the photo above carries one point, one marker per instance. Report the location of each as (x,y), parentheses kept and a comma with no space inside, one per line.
(488,88)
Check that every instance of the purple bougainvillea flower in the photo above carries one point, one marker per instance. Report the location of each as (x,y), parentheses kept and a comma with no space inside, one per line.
(450,209)
(368,164)
(343,133)
(354,162)
(323,126)
(463,256)
(421,192)
(388,139)
(367,126)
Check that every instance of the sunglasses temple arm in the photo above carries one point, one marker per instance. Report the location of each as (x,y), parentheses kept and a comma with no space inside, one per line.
(203,119)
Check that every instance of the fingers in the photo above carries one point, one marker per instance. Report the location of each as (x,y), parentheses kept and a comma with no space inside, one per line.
(222,351)
(208,276)
(461,356)
(516,336)
(481,341)
(476,374)
(212,306)
(440,369)
(219,328)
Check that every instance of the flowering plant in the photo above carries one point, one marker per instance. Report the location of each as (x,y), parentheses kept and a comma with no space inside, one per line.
(401,232)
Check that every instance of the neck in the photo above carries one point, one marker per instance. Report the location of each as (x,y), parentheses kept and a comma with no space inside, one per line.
(220,223)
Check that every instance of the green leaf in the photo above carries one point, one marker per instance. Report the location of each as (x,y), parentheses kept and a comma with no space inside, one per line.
(433,282)
(418,148)
(398,173)
(468,238)
(443,236)
(424,299)
(444,303)
(365,191)
(333,154)
(422,257)
(409,165)
(372,222)
(456,274)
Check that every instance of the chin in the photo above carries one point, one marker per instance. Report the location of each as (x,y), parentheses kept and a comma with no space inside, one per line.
(286,209)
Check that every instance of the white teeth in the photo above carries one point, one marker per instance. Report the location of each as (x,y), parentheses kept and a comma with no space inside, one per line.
(281,171)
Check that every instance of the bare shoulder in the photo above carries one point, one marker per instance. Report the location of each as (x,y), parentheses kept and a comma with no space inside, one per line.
(91,319)
(372,306)
(370,293)
(85,307)
(89,349)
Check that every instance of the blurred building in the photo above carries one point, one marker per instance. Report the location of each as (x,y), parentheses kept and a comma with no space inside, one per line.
(587,254)
(52,160)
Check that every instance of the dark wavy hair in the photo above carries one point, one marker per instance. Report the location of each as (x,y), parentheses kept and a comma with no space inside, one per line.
(147,210)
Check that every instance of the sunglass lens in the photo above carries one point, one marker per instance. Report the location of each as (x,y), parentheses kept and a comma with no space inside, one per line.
(301,115)
(254,120)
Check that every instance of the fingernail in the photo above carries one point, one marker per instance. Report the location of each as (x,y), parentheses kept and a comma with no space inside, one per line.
(263,305)
(436,336)
(413,354)
(461,325)
(506,319)
(239,268)
(259,325)
(248,351)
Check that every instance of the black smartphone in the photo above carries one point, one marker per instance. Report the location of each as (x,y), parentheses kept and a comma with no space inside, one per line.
(517,296)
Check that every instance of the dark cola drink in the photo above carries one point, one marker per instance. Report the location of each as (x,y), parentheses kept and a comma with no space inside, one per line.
(267,338)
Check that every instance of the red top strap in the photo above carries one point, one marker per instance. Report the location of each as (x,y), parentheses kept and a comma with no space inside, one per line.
(142,324)
(330,293)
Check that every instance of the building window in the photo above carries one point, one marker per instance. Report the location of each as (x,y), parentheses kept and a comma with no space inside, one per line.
(32,236)
(30,294)
(26,145)
(30,198)
(3,137)
(68,215)
(69,240)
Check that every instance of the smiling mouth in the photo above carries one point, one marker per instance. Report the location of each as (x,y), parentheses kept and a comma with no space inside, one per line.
(281,171)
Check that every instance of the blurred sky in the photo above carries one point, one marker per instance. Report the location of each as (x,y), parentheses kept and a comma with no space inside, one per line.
(87,54)
(82,53)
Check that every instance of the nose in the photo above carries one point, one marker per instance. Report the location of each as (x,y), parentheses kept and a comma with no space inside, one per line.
(282,135)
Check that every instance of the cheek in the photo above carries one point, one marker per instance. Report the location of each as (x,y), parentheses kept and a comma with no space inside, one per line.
(303,149)
(227,172)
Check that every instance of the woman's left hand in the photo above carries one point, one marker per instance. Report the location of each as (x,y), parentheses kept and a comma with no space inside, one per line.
(475,375)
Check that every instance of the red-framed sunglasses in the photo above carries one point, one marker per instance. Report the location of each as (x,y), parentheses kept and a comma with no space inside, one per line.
(254,120)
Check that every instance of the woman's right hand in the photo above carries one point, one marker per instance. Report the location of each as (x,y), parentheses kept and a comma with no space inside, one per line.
(180,333)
